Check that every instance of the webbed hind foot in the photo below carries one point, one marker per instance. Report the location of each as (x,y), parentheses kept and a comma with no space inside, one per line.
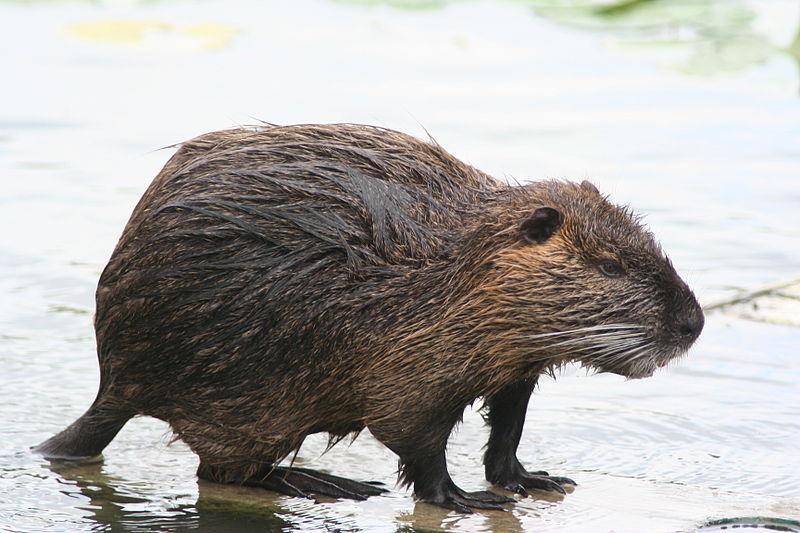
(294,481)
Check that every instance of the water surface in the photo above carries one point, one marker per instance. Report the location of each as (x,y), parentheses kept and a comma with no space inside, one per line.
(691,115)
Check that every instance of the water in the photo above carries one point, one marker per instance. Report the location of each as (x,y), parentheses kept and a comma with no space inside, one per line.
(688,111)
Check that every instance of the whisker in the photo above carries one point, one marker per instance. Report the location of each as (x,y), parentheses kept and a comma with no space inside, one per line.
(632,355)
(605,338)
(601,328)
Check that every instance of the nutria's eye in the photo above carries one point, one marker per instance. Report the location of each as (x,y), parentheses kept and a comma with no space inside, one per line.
(611,268)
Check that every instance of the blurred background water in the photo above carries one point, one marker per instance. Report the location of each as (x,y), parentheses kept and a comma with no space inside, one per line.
(687,110)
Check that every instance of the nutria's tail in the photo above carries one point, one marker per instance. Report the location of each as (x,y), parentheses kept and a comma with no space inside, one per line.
(88,435)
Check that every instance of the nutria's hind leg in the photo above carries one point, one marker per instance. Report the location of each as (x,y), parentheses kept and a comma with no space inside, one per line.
(506,417)
(293,481)
(433,484)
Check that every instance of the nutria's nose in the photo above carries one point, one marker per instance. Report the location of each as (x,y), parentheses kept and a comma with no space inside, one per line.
(692,324)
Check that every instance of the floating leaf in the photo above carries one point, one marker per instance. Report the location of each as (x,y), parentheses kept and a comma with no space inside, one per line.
(138,32)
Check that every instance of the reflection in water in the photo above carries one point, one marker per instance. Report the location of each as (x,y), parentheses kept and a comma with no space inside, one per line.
(111,505)
(430,517)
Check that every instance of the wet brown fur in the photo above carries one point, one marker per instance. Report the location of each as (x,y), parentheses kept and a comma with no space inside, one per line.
(275,282)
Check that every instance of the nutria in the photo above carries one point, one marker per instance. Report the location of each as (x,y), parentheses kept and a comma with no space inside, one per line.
(275,282)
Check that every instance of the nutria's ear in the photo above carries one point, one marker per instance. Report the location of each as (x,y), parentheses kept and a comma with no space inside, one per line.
(538,227)
(589,186)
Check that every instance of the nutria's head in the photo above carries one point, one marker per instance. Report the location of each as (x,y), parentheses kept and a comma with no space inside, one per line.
(588,283)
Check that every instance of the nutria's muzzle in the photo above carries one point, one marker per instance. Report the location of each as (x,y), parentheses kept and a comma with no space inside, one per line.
(692,323)
(690,320)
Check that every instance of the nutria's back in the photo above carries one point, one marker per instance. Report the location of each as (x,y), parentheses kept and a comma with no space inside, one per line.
(309,179)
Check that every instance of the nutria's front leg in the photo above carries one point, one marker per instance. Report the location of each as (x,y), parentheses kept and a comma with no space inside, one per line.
(432,484)
(421,448)
(506,417)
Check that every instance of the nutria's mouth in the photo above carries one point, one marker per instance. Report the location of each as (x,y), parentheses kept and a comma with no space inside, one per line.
(629,350)
(647,367)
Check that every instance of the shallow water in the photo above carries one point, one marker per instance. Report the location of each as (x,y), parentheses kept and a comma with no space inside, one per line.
(691,115)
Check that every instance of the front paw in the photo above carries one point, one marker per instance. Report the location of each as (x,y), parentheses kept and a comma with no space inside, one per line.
(459,500)
(538,481)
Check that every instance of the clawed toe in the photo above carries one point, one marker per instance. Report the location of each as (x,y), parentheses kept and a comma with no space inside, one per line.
(471,500)
(465,502)
(487,497)
(562,480)
(521,481)
(536,484)
(542,483)
(516,488)
(547,483)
